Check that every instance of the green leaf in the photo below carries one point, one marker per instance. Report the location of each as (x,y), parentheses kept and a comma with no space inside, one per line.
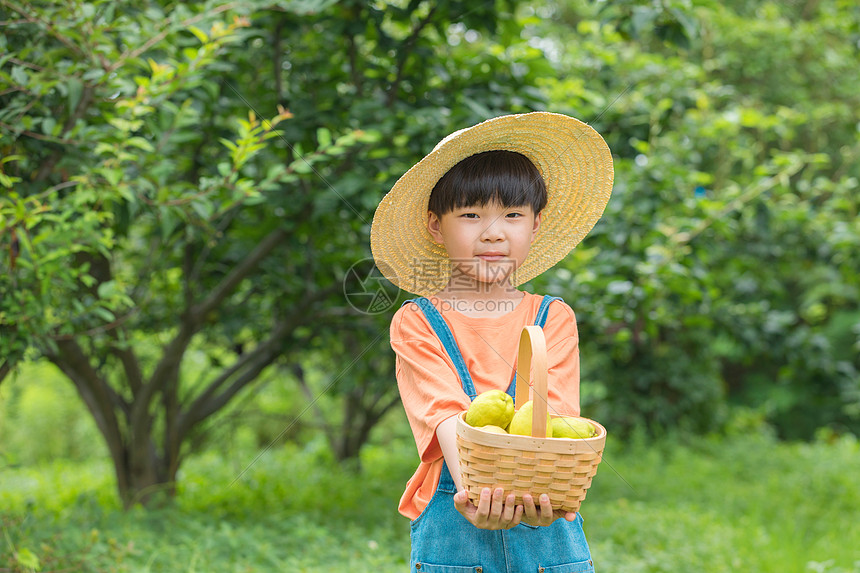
(200,34)
(19,75)
(113,176)
(107,290)
(48,125)
(104,147)
(203,208)
(28,559)
(74,87)
(169,221)
(9,158)
(255,199)
(125,125)
(105,314)
(140,143)
(7,181)
(323,137)
(301,166)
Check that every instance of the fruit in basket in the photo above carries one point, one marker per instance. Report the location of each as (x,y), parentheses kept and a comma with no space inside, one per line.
(491,408)
(493,429)
(573,428)
(522,422)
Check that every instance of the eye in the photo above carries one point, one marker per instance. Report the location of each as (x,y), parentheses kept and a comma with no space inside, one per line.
(470,215)
(514,215)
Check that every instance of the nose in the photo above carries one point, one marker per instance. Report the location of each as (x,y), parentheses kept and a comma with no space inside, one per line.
(492,233)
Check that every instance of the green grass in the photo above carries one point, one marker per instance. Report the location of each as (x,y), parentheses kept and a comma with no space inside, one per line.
(709,506)
(737,505)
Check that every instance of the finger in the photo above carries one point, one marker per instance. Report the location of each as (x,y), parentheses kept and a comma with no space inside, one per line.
(461,499)
(529,508)
(496,507)
(546,512)
(545,507)
(518,516)
(510,508)
(484,504)
(570,516)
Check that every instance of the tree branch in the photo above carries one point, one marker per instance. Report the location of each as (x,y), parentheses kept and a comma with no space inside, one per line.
(129,361)
(165,373)
(246,368)
(29,17)
(193,317)
(5,369)
(299,373)
(249,366)
(98,396)
(239,273)
(35,135)
(163,34)
(255,367)
(76,362)
(377,398)
(226,221)
(167,370)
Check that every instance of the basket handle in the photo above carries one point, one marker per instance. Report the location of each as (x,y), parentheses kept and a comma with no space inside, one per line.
(533,351)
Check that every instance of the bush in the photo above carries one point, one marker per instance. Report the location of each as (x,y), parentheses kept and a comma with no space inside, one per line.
(43,419)
(725,268)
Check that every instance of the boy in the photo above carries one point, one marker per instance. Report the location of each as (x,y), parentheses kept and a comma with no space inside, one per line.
(491,207)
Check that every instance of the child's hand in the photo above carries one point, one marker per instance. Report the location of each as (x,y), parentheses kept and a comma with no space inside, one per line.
(545,515)
(492,512)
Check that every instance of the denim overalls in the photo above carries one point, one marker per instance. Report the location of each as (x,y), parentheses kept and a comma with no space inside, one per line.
(443,541)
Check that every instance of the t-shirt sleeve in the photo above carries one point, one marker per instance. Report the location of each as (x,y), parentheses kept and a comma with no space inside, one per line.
(562,339)
(429,386)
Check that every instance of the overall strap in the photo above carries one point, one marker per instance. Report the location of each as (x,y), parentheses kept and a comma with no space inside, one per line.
(440,327)
(540,320)
(543,311)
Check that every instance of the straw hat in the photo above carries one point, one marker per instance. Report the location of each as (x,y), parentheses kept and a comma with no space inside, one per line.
(576,166)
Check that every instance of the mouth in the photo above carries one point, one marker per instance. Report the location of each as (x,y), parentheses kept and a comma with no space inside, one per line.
(492,256)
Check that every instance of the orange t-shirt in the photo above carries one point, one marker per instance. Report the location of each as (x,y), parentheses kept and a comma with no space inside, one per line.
(431,390)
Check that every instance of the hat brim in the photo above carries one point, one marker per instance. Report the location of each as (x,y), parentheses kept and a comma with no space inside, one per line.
(573,159)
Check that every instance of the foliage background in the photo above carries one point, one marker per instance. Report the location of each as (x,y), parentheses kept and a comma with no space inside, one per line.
(717,299)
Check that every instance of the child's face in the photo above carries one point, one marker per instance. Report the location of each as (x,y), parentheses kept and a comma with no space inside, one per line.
(486,243)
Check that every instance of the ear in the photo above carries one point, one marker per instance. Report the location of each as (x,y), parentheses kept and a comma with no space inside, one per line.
(536,227)
(434,225)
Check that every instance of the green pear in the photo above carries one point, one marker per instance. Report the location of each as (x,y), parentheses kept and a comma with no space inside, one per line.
(522,422)
(490,408)
(493,429)
(573,428)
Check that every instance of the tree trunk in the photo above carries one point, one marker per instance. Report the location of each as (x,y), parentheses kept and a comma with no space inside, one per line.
(144,477)
(141,473)
(361,414)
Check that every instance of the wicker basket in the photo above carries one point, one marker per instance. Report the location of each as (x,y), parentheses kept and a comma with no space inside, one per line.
(562,468)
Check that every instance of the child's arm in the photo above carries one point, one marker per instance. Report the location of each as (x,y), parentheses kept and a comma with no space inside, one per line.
(492,512)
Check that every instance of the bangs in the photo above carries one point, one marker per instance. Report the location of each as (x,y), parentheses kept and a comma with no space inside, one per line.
(507,177)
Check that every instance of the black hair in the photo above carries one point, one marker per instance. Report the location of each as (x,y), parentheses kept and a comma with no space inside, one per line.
(504,176)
